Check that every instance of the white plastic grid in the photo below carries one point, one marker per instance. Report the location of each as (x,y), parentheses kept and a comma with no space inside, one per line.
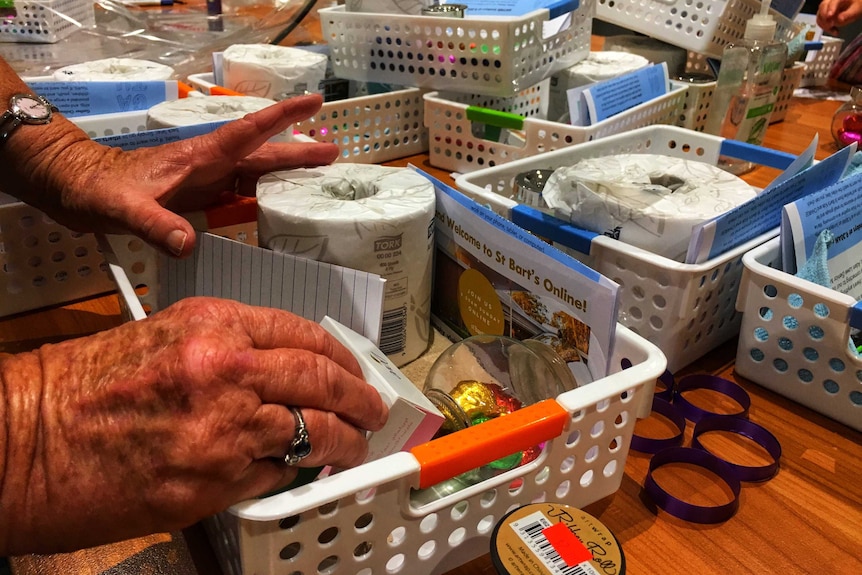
(112,124)
(494,56)
(368,129)
(795,338)
(46,21)
(696,105)
(702,26)
(790,80)
(363,520)
(817,70)
(685,309)
(44,263)
(454,145)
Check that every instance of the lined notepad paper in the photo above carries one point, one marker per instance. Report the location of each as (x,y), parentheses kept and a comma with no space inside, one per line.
(225,268)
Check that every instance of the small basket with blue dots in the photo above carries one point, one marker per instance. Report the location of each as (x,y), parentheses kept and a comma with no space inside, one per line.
(798,338)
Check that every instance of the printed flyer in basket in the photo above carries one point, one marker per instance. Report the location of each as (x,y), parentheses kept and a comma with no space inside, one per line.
(831,220)
(492,277)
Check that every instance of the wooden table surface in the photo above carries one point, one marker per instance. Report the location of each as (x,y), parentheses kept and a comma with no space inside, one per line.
(807,519)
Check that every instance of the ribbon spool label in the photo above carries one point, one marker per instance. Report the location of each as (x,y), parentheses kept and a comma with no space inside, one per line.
(542,538)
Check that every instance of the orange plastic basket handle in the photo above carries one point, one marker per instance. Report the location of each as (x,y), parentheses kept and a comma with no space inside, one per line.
(222,91)
(456,453)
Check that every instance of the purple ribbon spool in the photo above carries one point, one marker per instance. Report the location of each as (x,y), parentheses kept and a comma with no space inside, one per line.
(689,511)
(667,379)
(694,413)
(752,431)
(651,445)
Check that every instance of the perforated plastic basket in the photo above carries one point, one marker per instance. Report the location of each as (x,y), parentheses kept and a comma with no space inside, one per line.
(699,95)
(685,309)
(112,124)
(704,26)
(46,21)
(490,55)
(795,338)
(696,105)
(790,80)
(817,69)
(45,263)
(455,144)
(368,129)
(364,520)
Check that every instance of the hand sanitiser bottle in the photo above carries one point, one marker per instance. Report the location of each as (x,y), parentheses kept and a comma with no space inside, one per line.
(747,86)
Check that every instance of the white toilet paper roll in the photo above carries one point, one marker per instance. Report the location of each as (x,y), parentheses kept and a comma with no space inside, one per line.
(114,69)
(650,201)
(203,109)
(372,218)
(652,49)
(276,72)
(596,67)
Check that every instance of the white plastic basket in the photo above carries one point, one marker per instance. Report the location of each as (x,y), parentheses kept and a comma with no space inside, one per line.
(696,105)
(363,520)
(45,263)
(818,68)
(490,55)
(795,338)
(46,21)
(699,95)
(685,309)
(704,26)
(790,80)
(101,125)
(454,145)
(368,129)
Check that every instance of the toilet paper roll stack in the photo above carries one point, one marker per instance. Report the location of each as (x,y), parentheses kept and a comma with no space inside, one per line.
(646,200)
(371,218)
(596,67)
(114,69)
(275,72)
(204,109)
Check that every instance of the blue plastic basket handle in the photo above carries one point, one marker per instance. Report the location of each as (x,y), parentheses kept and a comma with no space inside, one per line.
(553,228)
(855,319)
(560,7)
(757,154)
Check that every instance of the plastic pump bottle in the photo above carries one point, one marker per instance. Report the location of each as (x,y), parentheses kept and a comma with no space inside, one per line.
(747,87)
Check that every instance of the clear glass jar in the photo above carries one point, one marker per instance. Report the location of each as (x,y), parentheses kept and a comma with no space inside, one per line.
(486,376)
(847,120)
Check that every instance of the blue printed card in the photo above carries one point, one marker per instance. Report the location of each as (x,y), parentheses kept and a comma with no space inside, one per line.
(75,99)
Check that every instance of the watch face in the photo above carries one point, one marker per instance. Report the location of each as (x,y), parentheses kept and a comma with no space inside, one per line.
(32,107)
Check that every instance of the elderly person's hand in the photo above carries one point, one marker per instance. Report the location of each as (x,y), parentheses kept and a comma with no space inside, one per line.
(835,14)
(156,424)
(89,187)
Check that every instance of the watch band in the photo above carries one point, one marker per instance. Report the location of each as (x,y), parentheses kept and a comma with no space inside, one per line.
(8,122)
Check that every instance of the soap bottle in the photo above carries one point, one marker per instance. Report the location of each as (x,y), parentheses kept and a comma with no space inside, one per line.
(747,86)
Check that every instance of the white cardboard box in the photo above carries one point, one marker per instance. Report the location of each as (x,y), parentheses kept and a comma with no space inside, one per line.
(413,419)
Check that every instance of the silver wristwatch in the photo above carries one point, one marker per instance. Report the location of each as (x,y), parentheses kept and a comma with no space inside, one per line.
(25,109)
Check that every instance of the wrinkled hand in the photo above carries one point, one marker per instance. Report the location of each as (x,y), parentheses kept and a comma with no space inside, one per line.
(835,14)
(156,424)
(93,188)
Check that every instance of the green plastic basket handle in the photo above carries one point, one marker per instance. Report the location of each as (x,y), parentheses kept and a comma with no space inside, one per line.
(494,120)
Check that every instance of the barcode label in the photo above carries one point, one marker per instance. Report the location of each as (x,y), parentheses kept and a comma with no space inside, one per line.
(531,530)
(393,331)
